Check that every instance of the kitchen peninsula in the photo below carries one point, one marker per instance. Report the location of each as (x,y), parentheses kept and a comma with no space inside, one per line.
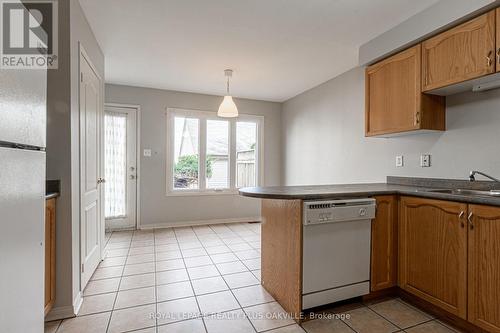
(418,222)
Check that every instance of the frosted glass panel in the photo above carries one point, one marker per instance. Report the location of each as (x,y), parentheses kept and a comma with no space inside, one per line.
(115,165)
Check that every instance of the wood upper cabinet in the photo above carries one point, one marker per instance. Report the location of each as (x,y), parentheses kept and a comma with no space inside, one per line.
(498,40)
(384,254)
(459,54)
(394,102)
(50,254)
(484,267)
(433,252)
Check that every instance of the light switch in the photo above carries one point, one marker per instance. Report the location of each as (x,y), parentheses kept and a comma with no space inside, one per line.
(399,161)
(425,161)
(147,153)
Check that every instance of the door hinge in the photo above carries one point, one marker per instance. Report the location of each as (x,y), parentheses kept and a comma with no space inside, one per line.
(81,77)
(83,268)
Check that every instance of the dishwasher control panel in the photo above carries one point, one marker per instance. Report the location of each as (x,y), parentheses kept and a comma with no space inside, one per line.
(318,212)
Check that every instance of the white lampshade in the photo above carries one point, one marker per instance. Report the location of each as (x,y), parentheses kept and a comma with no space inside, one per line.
(227,108)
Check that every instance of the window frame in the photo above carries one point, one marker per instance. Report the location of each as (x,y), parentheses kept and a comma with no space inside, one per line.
(202,117)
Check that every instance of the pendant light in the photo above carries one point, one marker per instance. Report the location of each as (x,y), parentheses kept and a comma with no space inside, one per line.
(227,108)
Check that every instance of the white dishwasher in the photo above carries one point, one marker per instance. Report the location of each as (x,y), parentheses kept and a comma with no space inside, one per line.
(336,250)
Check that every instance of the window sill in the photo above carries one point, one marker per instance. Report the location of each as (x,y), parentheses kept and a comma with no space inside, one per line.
(187,193)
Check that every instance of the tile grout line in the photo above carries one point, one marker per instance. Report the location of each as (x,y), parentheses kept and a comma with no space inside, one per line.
(155,286)
(118,290)
(191,283)
(230,290)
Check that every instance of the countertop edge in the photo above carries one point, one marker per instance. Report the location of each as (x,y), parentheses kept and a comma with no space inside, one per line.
(417,192)
(51,195)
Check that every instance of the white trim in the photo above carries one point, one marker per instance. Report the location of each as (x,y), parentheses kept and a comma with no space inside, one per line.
(67,311)
(77,303)
(211,115)
(196,193)
(136,107)
(200,222)
(60,312)
(84,56)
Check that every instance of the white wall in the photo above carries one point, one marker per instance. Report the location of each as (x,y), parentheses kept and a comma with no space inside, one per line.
(156,207)
(438,17)
(324,143)
(81,34)
(63,147)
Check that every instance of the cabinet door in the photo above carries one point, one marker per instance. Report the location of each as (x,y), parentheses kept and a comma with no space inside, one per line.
(392,93)
(50,254)
(433,252)
(384,244)
(459,54)
(498,40)
(484,267)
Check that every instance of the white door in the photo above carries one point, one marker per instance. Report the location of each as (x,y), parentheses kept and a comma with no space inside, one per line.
(120,165)
(91,219)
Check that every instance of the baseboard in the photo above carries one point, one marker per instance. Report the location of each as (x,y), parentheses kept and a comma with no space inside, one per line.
(110,229)
(77,302)
(200,222)
(60,312)
(68,311)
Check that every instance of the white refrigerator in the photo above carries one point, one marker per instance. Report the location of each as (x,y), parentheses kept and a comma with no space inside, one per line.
(22,199)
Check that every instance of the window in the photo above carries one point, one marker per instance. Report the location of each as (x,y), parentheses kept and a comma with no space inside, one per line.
(207,154)
(246,141)
(186,153)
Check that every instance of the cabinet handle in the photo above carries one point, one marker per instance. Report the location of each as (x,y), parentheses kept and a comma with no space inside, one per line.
(469,219)
(460,217)
(417,118)
(488,58)
(498,55)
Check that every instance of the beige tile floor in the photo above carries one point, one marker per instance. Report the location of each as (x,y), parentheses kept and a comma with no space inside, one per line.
(207,279)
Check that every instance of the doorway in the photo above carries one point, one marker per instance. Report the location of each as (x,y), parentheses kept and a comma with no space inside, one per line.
(121,167)
(91,194)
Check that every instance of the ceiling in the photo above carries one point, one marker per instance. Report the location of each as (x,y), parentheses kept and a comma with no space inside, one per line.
(277,48)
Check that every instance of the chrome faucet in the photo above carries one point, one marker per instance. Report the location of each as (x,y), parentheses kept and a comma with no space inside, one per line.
(472,176)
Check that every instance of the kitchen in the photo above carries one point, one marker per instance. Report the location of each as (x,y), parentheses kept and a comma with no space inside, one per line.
(303,181)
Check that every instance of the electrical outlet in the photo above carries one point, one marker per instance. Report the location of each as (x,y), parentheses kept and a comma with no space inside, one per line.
(399,161)
(147,153)
(425,161)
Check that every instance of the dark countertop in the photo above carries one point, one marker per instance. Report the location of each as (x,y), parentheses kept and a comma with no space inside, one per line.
(50,195)
(319,192)
(52,188)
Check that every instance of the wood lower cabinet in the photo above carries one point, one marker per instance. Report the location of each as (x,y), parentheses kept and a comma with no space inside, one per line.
(384,256)
(394,102)
(459,54)
(433,252)
(50,254)
(484,267)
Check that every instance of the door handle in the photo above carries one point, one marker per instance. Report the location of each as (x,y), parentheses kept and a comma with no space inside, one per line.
(469,219)
(460,217)
(488,58)
(101,180)
(498,55)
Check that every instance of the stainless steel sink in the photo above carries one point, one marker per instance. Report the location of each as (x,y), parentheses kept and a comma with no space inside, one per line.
(492,193)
